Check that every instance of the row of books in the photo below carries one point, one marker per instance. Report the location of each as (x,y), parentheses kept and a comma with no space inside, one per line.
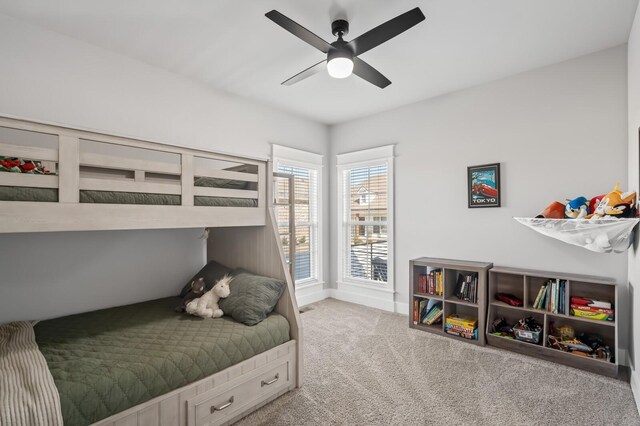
(427,312)
(462,326)
(431,283)
(467,287)
(592,309)
(552,297)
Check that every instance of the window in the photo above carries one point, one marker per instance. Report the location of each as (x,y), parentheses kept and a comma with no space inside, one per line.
(307,235)
(365,207)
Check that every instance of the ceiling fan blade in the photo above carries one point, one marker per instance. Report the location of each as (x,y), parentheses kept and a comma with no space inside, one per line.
(313,69)
(298,30)
(369,73)
(386,31)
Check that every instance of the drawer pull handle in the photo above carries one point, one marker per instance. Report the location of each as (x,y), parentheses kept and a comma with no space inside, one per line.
(222,407)
(270,382)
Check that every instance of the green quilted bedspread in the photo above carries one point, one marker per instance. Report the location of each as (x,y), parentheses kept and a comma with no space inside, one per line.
(106,361)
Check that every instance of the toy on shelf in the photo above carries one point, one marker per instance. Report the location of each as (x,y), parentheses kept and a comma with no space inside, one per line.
(576,208)
(554,210)
(616,204)
(607,229)
(509,299)
(584,344)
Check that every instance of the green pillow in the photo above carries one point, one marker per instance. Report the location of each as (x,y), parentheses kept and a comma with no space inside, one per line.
(251,297)
(211,273)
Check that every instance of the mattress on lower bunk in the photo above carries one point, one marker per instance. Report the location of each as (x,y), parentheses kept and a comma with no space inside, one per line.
(106,361)
(20,193)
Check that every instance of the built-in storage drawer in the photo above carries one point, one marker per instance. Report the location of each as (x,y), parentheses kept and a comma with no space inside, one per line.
(224,402)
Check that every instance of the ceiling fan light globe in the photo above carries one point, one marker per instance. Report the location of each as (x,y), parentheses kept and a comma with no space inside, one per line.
(340,67)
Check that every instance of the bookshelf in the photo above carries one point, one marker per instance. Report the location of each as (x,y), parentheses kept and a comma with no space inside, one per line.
(525,284)
(451,304)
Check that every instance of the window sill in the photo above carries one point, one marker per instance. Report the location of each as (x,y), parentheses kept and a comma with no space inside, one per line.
(308,283)
(372,285)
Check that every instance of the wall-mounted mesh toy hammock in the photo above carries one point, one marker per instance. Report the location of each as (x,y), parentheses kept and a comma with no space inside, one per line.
(599,235)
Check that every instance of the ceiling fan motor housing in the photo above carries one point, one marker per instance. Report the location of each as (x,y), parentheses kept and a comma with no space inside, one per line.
(340,28)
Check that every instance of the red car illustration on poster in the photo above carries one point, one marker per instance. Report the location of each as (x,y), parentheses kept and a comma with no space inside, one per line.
(484,185)
(485,190)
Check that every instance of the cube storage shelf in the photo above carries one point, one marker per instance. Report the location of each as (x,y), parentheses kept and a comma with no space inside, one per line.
(450,303)
(525,284)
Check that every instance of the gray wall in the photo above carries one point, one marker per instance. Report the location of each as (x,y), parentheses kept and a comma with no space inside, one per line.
(53,78)
(634,183)
(558,131)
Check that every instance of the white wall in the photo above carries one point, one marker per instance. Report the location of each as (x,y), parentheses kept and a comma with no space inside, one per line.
(634,183)
(558,132)
(50,77)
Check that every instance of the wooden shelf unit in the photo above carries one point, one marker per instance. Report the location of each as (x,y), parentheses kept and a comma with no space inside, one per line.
(525,284)
(450,303)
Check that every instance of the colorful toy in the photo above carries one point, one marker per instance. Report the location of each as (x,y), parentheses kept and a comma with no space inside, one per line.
(18,165)
(577,208)
(554,210)
(593,203)
(616,204)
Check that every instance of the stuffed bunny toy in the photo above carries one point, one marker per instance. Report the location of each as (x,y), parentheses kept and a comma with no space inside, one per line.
(206,306)
(197,289)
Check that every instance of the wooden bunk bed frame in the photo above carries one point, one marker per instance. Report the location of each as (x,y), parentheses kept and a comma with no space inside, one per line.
(243,237)
(79,169)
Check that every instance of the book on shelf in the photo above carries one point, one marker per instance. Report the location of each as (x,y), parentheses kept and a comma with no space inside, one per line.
(467,287)
(552,297)
(431,282)
(433,315)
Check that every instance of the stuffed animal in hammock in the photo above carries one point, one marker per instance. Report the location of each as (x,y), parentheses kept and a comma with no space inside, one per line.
(197,289)
(206,306)
(616,204)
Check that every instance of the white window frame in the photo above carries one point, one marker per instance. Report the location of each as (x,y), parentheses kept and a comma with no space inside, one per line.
(354,160)
(285,156)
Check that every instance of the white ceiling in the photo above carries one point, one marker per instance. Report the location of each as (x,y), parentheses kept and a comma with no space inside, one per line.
(230,45)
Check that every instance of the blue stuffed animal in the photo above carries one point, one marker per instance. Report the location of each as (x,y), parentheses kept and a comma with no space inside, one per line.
(577,208)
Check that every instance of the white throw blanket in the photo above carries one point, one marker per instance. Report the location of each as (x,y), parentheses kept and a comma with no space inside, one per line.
(28,395)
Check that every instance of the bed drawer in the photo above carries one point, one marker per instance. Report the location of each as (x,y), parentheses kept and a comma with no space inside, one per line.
(223,403)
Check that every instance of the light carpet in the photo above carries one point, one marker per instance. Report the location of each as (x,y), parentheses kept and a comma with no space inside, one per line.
(364,366)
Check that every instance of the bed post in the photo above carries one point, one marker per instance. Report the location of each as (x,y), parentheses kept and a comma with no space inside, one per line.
(259,250)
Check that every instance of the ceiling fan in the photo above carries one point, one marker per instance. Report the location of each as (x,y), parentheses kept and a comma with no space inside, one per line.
(342,56)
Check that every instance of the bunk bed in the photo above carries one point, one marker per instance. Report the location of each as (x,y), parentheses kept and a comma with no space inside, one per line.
(82,180)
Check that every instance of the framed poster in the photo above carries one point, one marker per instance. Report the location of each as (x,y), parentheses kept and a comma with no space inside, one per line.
(483,185)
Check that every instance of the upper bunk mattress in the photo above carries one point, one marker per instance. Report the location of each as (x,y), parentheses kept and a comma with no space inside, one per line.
(106,361)
(50,195)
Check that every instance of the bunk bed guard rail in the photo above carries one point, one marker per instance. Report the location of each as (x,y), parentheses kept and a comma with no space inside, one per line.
(55,178)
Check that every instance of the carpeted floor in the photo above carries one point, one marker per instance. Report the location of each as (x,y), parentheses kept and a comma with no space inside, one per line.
(367,367)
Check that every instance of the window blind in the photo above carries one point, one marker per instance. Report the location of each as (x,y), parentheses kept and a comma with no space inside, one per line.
(366,207)
(306,220)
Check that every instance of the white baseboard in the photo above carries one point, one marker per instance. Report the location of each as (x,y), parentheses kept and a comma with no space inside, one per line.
(622,357)
(311,294)
(360,299)
(402,308)
(635,387)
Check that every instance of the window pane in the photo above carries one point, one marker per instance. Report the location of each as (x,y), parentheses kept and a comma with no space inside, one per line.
(367,252)
(367,189)
(303,252)
(305,210)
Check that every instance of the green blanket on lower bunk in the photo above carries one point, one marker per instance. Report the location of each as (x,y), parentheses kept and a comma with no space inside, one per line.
(106,361)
